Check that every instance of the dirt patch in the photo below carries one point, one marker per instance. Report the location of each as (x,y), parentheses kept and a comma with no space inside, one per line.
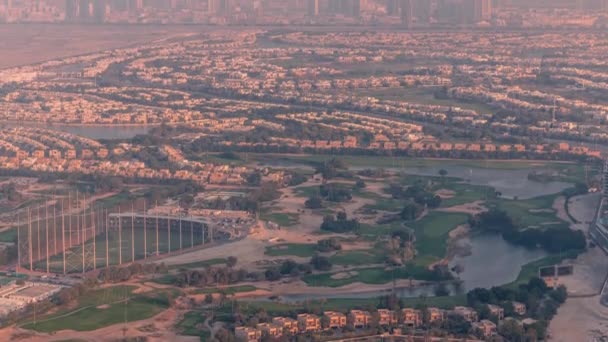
(353,246)
(103,307)
(472,208)
(344,275)
(558,206)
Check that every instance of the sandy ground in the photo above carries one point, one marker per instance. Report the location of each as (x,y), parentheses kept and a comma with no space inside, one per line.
(445,193)
(582,318)
(251,249)
(558,206)
(161,329)
(472,208)
(301,288)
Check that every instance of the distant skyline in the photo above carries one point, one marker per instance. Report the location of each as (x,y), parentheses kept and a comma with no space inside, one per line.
(409,13)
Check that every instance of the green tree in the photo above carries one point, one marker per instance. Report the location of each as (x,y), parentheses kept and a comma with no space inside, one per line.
(314,202)
(511,330)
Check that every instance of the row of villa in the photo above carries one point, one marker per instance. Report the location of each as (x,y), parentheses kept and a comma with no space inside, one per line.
(359,319)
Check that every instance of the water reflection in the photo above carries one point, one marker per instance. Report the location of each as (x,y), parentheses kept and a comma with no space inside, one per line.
(93,132)
(492,261)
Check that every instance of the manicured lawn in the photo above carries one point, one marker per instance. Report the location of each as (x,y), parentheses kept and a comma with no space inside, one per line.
(386,204)
(346,304)
(301,250)
(465,193)
(307,191)
(525,212)
(104,307)
(227,290)
(282,219)
(112,201)
(432,233)
(188,325)
(200,264)
(424,96)
(530,270)
(387,162)
(373,231)
(358,258)
(373,275)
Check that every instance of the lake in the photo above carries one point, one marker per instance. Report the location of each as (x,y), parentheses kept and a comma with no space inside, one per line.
(492,261)
(511,183)
(427,290)
(93,132)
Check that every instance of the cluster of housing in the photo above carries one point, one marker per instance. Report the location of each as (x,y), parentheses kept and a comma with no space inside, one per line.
(44,150)
(238,71)
(15,297)
(357,319)
(381,142)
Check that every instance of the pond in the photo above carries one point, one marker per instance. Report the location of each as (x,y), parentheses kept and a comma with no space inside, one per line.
(427,290)
(492,261)
(93,132)
(511,183)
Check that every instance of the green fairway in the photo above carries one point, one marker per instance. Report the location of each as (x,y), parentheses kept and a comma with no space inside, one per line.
(432,233)
(536,212)
(424,96)
(104,307)
(300,250)
(227,290)
(465,193)
(530,270)
(282,219)
(374,231)
(344,304)
(385,204)
(373,275)
(191,323)
(573,170)
(358,258)
(307,191)
(200,264)
(114,200)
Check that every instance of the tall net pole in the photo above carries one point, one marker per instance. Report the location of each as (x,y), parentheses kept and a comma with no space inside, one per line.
(46,228)
(84,232)
(119,237)
(18,243)
(94,225)
(181,246)
(29,235)
(63,234)
(156,208)
(107,242)
(55,228)
(132,232)
(77,217)
(169,234)
(145,232)
(38,234)
(70,218)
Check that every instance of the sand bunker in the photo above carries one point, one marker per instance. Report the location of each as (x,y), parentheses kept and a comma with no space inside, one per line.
(344,275)
(445,193)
